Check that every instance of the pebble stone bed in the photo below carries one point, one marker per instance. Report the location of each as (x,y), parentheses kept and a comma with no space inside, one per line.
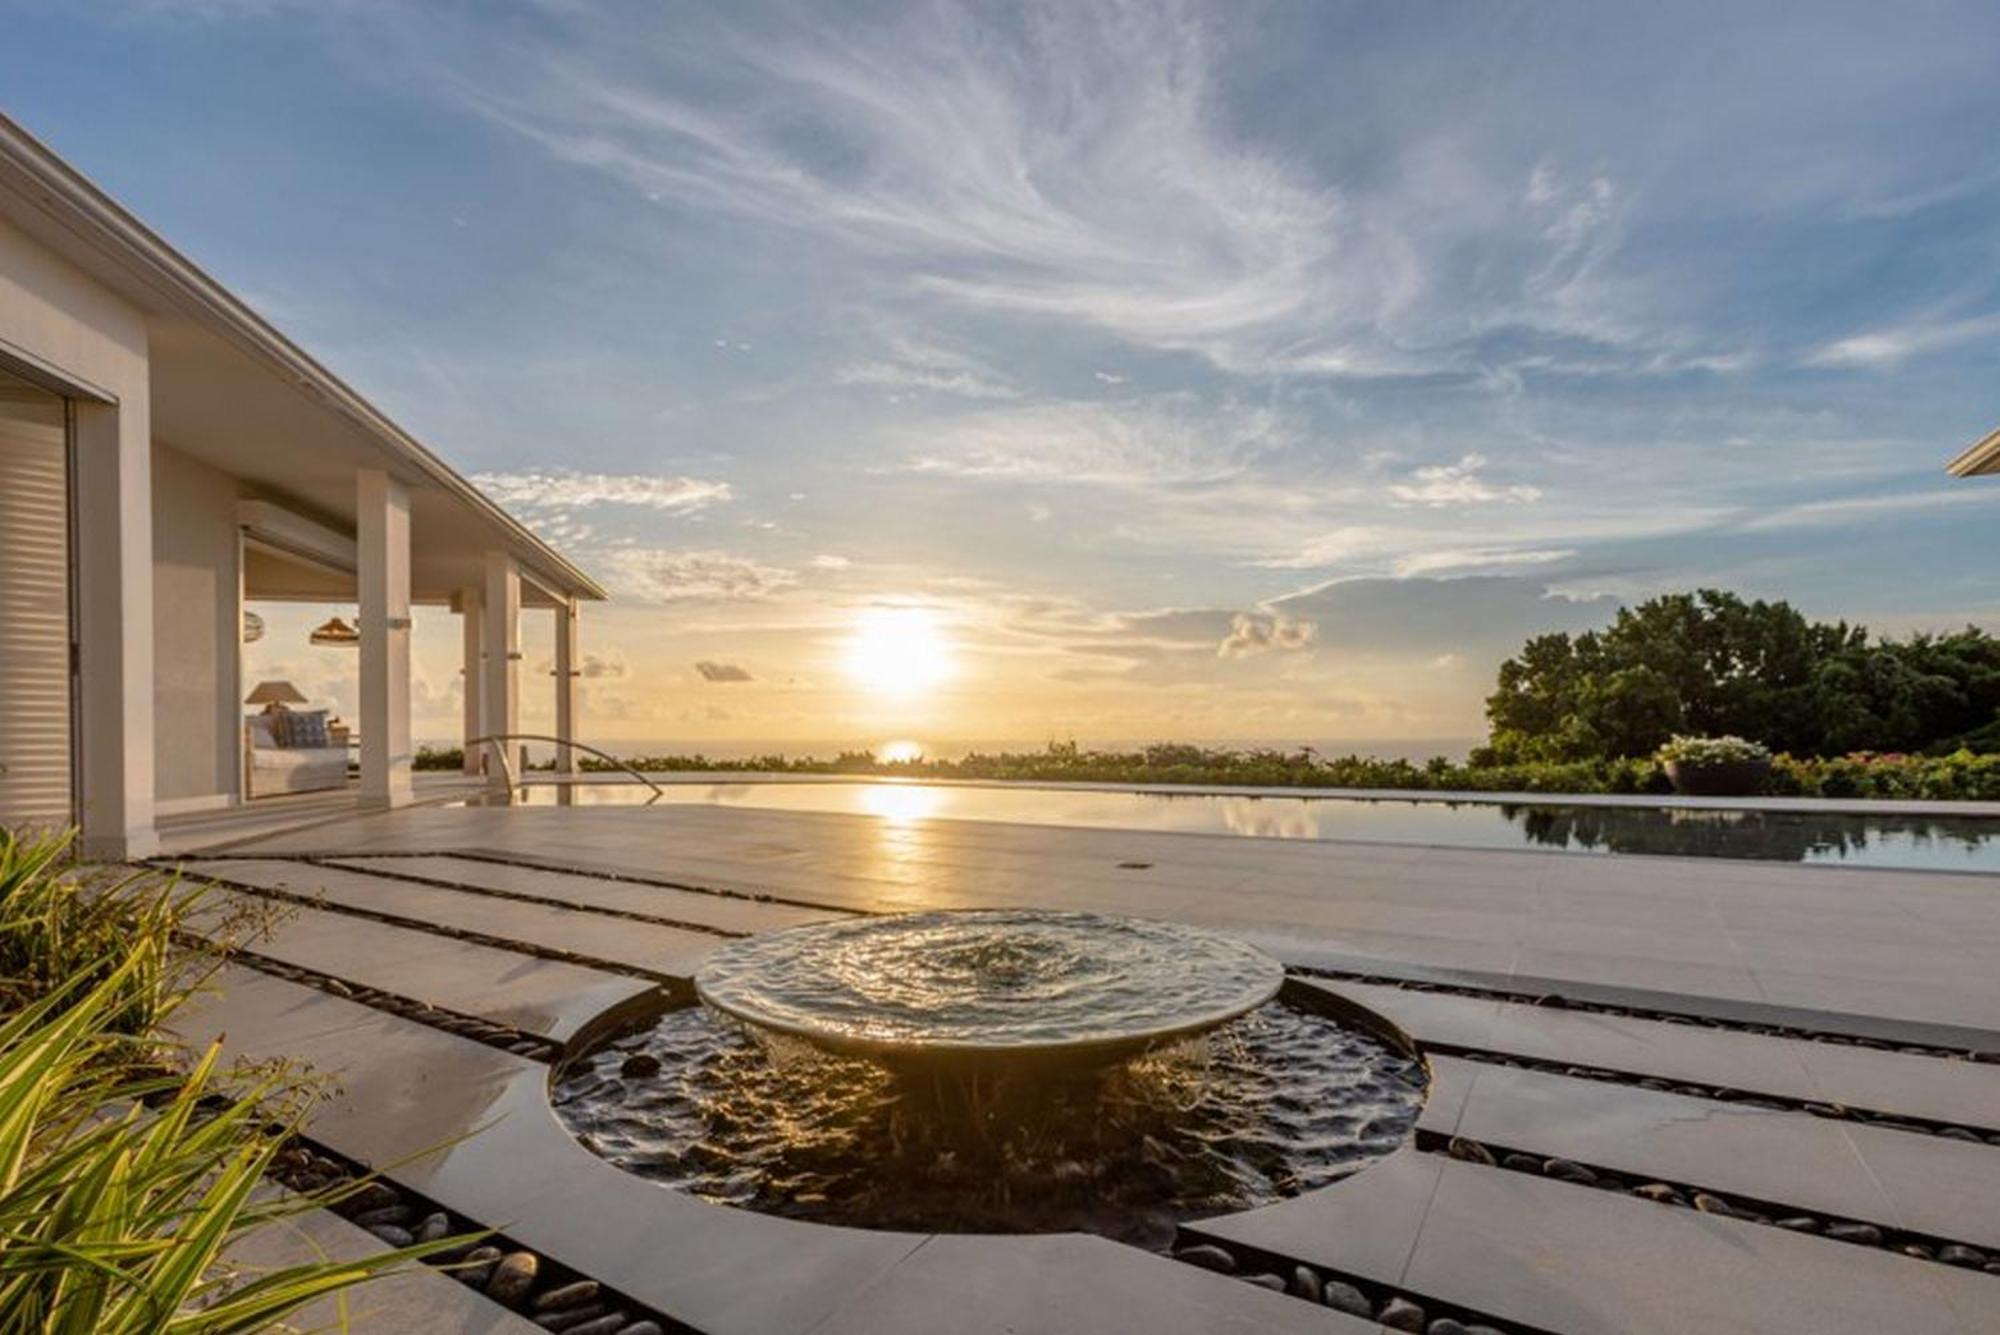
(549,1294)
(1397,1309)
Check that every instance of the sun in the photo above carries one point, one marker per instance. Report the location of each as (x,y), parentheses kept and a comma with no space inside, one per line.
(898,651)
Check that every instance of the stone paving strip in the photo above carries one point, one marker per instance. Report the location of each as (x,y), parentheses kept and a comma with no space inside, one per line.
(733,911)
(1548,1254)
(349,955)
(1838,1030)
(1852,1183)
(1941,1091)
(575,934)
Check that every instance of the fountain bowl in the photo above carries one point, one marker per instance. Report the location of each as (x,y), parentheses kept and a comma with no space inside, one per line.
(988,988)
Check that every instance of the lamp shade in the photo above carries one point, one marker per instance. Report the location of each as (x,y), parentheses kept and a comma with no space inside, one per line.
(335,632)
(275,693)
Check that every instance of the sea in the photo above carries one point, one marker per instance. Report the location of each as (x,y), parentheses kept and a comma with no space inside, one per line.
(1412,749)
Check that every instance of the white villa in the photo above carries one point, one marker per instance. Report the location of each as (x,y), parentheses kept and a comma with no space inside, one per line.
(166,455)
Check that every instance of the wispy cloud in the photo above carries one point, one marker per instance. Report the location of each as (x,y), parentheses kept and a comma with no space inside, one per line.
(561,489)
(1465,560)
(1893,344)
(1173,440)
(653,575)
(1080,164)
(916,367)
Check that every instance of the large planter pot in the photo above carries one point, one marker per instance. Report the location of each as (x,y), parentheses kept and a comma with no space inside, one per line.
(1719,778)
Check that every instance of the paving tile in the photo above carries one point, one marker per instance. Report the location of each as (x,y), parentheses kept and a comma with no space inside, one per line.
(721,911)
(1964,1092)
(284,1013)
(1588,1262)
(536,995)
(1947,1188)
(1364,1225)
(1056,1285)
(1784,1157)
(664,950)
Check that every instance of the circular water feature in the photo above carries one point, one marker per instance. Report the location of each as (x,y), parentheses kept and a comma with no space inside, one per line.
(996,1072)
(988,986)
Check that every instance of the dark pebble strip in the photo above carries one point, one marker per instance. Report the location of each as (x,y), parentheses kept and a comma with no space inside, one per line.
(1388,1306)
(1923,1126)
(545,1292)
(1707,1200)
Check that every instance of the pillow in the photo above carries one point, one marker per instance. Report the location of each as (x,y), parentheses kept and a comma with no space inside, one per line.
(302,729)
(261,734)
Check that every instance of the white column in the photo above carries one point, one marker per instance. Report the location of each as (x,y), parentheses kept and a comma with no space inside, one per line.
(382,541)
(500,651)
(114,626)
(567,668)
(468,611)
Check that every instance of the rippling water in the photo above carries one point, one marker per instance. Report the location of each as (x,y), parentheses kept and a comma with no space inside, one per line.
(991,981)
(1275,1103)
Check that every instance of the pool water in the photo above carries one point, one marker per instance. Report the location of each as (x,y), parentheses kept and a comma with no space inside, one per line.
(1925,843)
(1278,1102)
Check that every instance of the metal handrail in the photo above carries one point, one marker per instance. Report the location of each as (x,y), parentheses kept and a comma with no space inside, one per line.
(497,741)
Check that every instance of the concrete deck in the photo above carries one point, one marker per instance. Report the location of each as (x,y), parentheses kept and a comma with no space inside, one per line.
(1859,1135)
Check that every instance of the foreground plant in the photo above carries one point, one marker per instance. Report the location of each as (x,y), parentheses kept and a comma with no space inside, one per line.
(124,1183)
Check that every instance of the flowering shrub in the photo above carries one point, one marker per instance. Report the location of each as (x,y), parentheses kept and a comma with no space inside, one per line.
(1711,751)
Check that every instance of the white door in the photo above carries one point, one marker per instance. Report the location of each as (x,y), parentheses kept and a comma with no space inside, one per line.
(34,607)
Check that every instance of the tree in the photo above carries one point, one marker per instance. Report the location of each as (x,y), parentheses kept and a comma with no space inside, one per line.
(1711,662)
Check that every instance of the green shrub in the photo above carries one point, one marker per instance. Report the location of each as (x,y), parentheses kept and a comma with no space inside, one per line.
(439,757)
(126,1175)
(1962,775)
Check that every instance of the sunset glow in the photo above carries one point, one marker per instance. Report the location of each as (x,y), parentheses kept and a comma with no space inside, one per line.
(897,651)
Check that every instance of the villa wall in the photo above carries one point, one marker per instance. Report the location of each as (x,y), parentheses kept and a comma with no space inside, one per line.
(195,633)
(60,325)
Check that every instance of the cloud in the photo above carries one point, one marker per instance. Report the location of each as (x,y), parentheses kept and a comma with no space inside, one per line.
(654,575)
(722,672)
(1895,344)
(1250,633)
(1472,616)
(1458,484)
(1467,559)
(607,666)
(1171,440)
(828,561)
(562,489)
(921,367)
(1082,165)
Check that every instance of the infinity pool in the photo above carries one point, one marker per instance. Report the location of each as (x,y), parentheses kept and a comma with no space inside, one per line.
(1927,843)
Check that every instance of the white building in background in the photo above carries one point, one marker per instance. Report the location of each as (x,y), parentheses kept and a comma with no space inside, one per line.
(165,454)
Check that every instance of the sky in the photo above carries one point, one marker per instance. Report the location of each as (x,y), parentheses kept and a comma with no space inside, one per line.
(1104,371)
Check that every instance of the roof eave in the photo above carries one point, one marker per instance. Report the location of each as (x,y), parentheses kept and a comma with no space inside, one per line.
(1981,458)
(100,219)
